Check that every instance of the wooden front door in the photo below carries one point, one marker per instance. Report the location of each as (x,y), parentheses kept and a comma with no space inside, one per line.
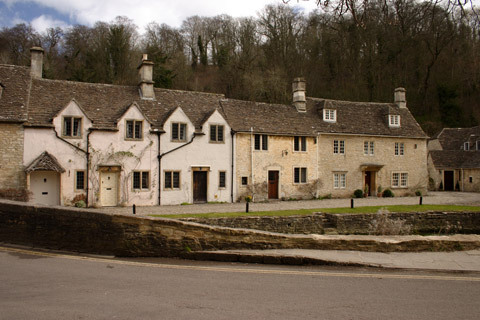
(448,180)
(370,182)
(199,186)
(273,184)
(109,188)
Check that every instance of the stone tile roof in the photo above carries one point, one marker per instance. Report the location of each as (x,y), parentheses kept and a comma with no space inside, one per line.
(14,98)
(454,138)
(104,104)
(45,162)
(456,159)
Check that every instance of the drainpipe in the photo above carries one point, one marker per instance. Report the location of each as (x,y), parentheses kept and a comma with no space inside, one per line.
(232,133)
(88,164)
(159,159)
(160,156)
(68,142)
(251,158)
(316,162)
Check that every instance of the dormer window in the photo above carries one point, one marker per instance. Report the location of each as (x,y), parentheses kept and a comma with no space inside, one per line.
(179,132)
(394,120)
(330,115)
(134,129)
(466,146)
(72,127)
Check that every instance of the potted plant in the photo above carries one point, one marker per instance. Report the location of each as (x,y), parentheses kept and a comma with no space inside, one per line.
(365,192)
(379,191)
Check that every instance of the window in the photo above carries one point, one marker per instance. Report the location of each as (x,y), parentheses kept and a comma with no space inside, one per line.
(300,144)
(368,148)
(172,179)
(470,179)
(72,127)
(80,180)
(399,149)
(134,129)
(466,146)
(216,133)
(330,115)
(478,145)
(338,146)
(394,120)
(339,180)
(399,180)
(141,180)
(300,175)
(179,131)
(244,181)
(222,179)
(261,142)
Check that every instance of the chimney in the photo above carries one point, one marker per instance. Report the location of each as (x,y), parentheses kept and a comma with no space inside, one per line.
(400,99)
(299,97)
(145,71)
(36,66)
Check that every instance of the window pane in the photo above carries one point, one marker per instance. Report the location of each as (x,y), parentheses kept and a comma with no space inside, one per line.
(168,179)
(176,179)
(257,142)
(296,178)
(401,149)
(395,178)
(335,180)
(264,142)
(396,148)
(404,179)
(130,129)
(365,147)
(145,180)
(67,126)
(138,130)
(296,144)
(77,125)
(136,180)
(174,131)
(304,143)
(183,133)
(220,133)
(342,147)
(213,133)
(303,175)
(244,181)
(80,180)
(222,182)
(335,146)
(372,147)
(343,180)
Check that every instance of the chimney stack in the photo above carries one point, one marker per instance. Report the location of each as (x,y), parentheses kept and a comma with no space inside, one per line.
(299,94)
(145,71)
(400,99)
(36,66)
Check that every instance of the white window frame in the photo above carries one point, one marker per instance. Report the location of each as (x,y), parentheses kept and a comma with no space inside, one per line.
(339,180)
(466,146)
(368,148)
(399,148)
(302,175)
(330,115)
(338,146)
(299,144)
(394,120)
(399,179)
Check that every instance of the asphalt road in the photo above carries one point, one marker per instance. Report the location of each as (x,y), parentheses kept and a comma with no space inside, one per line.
(36,285)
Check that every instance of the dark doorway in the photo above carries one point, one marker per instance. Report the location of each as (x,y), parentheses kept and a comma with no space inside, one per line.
(273,184)
(448,180)
(370,182)
(199,186)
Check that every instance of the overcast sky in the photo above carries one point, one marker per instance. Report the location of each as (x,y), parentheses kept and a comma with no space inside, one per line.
(43,14)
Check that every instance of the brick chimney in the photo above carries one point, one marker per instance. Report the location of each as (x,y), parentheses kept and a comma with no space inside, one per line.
(400,99)
(145,71)
(299,94)
(36,66)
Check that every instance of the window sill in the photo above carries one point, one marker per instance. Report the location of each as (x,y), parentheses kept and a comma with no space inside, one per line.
(133,139)
(71,137)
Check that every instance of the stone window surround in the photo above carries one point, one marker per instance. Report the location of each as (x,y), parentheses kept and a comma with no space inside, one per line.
(339,180)
(72,119)
(399,148)
(244,181)
(262,142)
(299,144)
(401,181)
(218,138)
(172,173)
(141,180)
(368,148)
(75,183)
(135,121)
(179,131)
(220,186)
(339,147)
(301,171)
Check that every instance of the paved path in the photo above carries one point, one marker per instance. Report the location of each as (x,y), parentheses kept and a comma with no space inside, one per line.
(457,198)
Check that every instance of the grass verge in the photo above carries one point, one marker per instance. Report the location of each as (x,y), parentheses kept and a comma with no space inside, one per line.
(359,210)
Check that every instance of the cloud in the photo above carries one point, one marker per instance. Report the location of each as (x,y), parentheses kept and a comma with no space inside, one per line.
(43,22)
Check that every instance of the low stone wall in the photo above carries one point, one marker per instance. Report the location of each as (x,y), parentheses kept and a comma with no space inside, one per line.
(90,231)
(321,223)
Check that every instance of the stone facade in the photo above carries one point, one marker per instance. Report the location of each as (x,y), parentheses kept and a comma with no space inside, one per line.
(12,175)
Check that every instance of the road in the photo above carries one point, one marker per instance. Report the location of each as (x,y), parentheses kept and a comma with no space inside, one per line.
(47,285)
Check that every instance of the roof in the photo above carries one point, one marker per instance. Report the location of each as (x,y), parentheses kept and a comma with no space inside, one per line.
(455,159)
(45,162)
(454,138)
(104,104)
(14,98)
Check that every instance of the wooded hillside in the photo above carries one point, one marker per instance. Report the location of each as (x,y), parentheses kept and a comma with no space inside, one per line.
(430,49)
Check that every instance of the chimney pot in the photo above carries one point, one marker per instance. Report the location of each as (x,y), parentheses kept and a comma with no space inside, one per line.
(299,94)
(399,98)
(36,65)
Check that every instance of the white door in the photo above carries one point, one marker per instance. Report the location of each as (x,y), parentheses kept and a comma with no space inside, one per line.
(45,187)
(108,189)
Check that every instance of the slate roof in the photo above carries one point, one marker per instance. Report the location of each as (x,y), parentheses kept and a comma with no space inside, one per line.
(14,99)
(454,138)
(455,159)
(104,104)
(45,162)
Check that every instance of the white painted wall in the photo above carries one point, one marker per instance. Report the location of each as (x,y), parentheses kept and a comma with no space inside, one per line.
(201,153)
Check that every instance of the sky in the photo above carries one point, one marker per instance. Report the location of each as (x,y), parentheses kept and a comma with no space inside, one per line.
(43,14)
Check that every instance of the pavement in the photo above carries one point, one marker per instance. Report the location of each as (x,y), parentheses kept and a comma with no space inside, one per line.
(457,261)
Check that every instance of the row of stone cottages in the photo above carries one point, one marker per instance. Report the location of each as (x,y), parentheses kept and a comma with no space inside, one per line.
(124,145)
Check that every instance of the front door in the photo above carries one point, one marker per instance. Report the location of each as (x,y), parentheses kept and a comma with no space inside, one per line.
(45,187)
(199,186)
(273,184)
(109,188)
(370,182)
(448,180)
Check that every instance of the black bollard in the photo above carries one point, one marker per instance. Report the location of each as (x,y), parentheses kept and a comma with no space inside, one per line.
(351,204)
(421,200)
(246,207)
(134,208)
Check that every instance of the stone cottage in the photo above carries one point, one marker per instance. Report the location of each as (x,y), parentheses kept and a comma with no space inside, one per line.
(454,159)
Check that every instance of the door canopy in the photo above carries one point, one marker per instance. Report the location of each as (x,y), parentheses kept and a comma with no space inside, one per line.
(45,162)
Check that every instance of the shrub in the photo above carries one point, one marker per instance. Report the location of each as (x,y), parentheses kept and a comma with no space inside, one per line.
(418,193)
(358,193)
(388,193)
(80,204)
